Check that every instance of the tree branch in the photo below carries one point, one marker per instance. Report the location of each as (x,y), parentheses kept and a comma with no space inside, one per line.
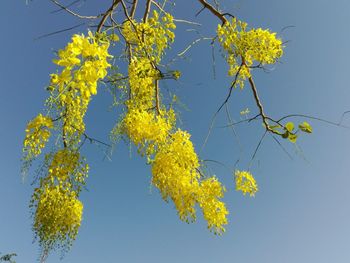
(73,13)
(147,10)
(133,8)
(213,11)
(106,14)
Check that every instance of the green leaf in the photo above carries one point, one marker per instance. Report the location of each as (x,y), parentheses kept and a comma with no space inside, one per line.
(292,138)
(289,126)
(305,127)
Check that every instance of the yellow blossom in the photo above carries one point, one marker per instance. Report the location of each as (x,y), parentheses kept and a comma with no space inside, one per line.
(244,47)
(245,182)
(37,135)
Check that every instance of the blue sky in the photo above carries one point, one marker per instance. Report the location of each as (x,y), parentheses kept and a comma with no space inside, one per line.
(301,213)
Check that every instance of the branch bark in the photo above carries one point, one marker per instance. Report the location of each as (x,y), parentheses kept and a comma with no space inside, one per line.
(213,10)
(106,14)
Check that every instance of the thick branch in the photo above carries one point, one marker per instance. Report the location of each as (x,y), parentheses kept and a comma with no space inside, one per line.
(258,102)
(214,11)
(261,109)
(107,14)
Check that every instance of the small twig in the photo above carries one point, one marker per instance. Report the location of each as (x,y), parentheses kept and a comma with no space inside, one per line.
(186,22)
(133,8)
(339,124)
(59,31)
(73,13)
(158,6)
(233,129)
(200,173)
(284,149)
(239,122)
(147,10)
(217,162)
(200,11)
(69,5)
(115,80)
(157,96)
(192,44)
(221,106)
(257,148)
(125,9)
(286,27)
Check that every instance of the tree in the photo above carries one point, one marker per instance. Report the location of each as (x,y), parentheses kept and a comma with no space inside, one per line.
(148,117)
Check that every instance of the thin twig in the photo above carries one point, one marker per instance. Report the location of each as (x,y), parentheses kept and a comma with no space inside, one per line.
(192,44)
(233,129)
(221,106)
(157,96)
(339,124)
(186,22)
(239,122)
(257,148)
(284,149)
(73,13)
(59,31)
(147,10)
(61,9)
(133,8)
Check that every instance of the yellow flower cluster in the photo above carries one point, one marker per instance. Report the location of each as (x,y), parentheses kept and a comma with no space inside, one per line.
(142,76)
(37,135)
(146,129)
(244,47)
(151,37)
(175,172)
(66,167)
(58,212)
(58,216)
(214,211)
(85,62)
(147,123)
(245,182)
(150,126)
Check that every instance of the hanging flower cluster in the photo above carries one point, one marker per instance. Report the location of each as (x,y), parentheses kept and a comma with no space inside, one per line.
(84,62)
(57,211)
(150,37)
(152,127)
(244,47)
(176,173)
(37,135)
(245,182)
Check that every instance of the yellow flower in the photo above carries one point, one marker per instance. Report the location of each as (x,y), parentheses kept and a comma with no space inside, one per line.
(246,47)
(37,135)
(58,216)
(245,182)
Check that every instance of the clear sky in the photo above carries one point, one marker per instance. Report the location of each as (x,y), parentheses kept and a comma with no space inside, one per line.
(301,213)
